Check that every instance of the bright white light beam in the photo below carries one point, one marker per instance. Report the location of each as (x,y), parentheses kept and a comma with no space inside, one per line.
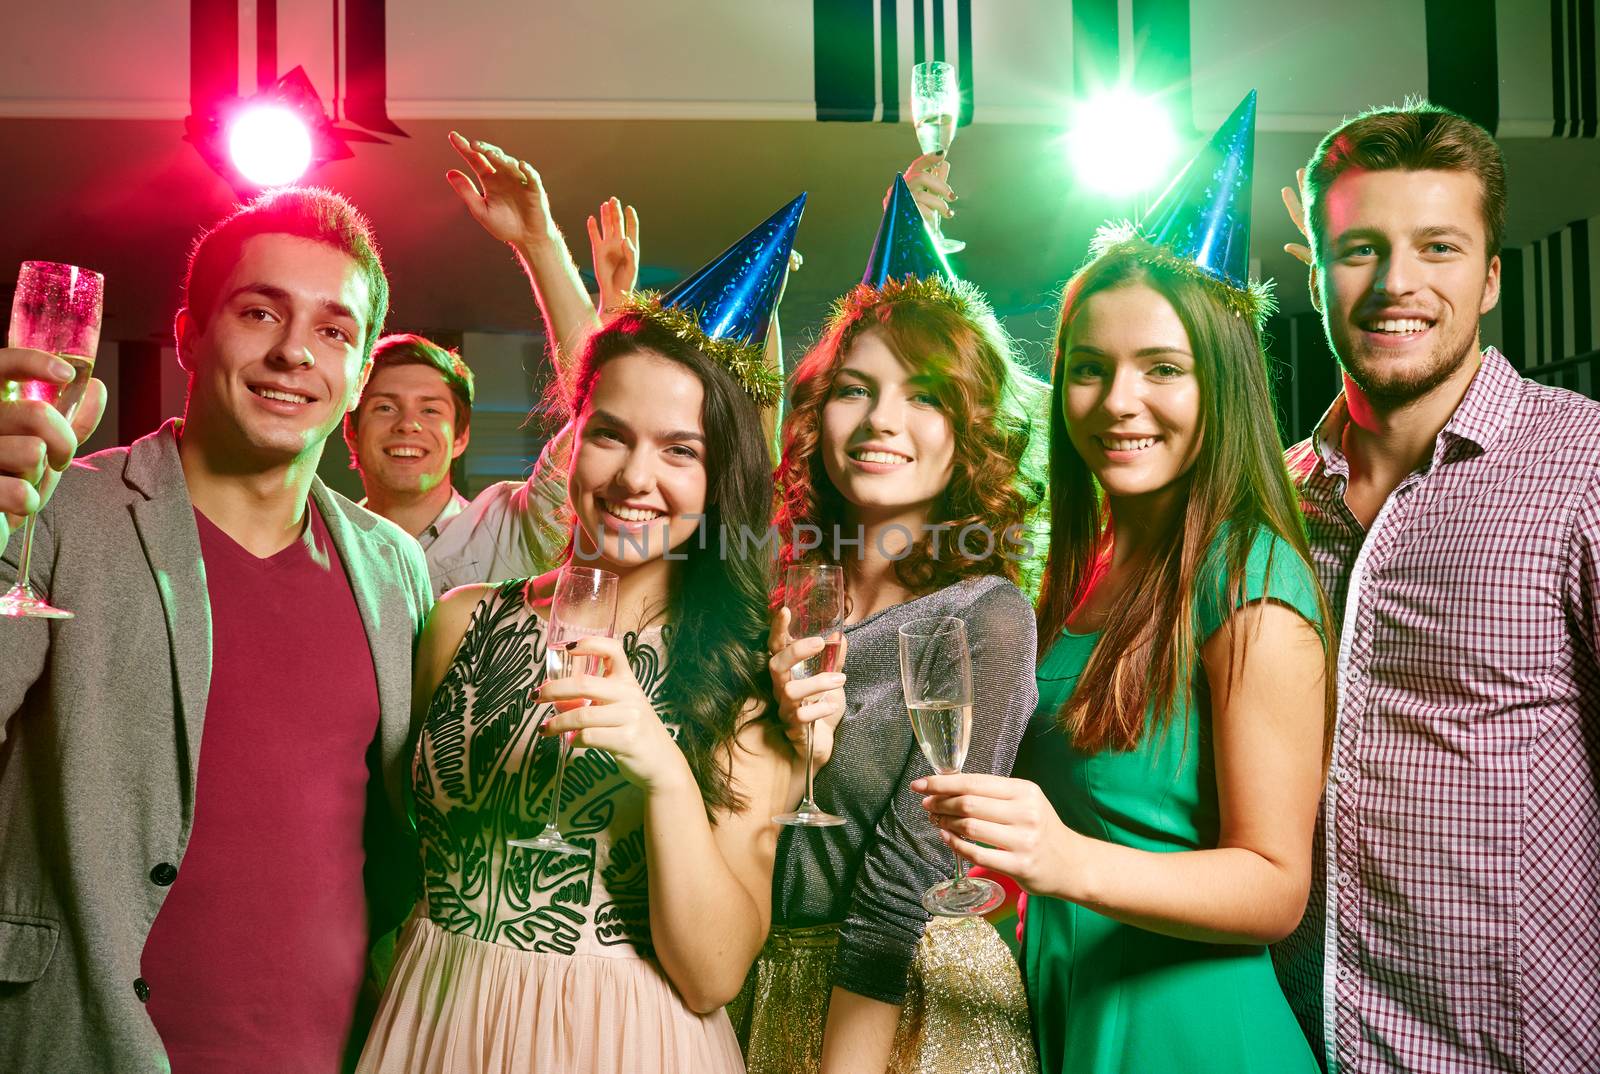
(269,145)
(1120,143)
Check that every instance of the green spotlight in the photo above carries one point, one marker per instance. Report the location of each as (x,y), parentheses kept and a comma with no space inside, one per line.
(1120,142)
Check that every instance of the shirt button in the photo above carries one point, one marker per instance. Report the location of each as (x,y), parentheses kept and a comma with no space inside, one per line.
(1345,973)
(141,989)
(164,874)
(1345,878)
(1344,774)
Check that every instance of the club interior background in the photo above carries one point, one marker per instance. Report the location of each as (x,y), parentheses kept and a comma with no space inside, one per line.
(709,114)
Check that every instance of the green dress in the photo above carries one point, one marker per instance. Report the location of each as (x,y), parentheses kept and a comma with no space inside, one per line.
(1108,997)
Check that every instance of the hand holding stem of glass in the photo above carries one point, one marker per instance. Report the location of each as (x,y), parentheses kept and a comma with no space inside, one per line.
(936,674)
(57,309)
(935,109)
(814,594)
(584,606)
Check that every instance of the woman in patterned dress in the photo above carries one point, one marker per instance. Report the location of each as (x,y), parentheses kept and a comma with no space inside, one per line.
(617,960)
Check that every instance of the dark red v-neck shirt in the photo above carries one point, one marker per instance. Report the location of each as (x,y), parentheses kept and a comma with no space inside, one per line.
(256,958)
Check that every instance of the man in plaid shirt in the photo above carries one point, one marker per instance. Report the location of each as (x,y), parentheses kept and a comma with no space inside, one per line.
(1454,515)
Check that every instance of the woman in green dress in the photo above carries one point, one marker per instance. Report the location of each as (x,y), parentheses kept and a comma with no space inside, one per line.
(1162,810)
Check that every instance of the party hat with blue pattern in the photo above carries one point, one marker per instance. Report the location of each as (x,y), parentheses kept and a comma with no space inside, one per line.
(1201,223)
(726,307)
(1204,215)
(903,246)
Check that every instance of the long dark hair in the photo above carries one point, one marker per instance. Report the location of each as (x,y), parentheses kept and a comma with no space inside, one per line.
(946,330)
(716,597)
(1237,484)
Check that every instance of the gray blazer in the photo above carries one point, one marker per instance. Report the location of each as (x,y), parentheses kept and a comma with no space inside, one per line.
(100,722)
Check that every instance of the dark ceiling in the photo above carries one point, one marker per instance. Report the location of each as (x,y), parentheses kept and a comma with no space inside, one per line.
(126,197)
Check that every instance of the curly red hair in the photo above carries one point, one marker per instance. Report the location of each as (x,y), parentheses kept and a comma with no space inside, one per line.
(949,331)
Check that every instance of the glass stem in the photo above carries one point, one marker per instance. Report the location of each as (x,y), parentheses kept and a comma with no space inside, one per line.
(961,872)
(811,802)
(24,584)
(564,744)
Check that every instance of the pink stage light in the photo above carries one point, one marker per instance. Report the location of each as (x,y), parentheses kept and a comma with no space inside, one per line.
(269,144)
(272,138)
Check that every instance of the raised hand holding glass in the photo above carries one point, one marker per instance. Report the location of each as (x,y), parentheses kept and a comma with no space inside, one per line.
(935,110)
(56,309)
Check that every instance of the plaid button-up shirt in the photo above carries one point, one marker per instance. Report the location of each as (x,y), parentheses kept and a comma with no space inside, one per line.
(1454,919)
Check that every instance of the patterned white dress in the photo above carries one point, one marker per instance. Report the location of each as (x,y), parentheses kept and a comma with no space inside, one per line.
(522,960)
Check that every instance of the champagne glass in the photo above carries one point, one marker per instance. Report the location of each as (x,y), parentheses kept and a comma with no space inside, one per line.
(935,107)
(936,674)
(56,309)
(584,606)
(814,595)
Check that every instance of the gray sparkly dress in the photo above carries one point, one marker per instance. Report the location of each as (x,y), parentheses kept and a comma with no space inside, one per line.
(847,901)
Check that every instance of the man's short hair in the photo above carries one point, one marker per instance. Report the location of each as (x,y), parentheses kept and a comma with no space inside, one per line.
(1416,136)
(408,349)
(304,212)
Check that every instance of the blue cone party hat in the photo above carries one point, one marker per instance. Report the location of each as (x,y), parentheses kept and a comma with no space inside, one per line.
(1204,216)
(903,246)
(733,295)
(1201,225)
(726,307)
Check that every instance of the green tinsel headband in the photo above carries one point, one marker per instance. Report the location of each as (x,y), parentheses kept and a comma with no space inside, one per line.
(958,296)
(1254,302)
(747,362)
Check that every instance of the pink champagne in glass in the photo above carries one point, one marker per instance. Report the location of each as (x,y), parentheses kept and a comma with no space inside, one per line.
(815,596)
(56,309)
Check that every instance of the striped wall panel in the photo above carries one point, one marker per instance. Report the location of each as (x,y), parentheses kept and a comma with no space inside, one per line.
(865,49)
(1522,68)
(1550,300)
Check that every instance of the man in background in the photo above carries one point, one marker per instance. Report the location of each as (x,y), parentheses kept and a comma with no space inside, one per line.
(413,422)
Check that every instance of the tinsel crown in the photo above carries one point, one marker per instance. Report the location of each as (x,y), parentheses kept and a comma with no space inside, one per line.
(958,296)
(1254,301)
(746,361)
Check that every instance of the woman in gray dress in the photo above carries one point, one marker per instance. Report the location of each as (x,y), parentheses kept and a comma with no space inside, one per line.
(901,451)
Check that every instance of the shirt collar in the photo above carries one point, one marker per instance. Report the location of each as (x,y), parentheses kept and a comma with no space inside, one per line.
(1328,438)
(458,503)
(1479,418)
(1490,401)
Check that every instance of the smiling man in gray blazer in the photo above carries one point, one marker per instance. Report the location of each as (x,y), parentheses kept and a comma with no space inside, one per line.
(203,775)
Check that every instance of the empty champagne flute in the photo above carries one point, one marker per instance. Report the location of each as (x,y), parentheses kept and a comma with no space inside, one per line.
(584,606)
(936,674)
(814,595)
(935,108)
(56,309)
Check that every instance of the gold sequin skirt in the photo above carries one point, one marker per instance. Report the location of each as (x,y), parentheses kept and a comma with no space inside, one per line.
(965,1011)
